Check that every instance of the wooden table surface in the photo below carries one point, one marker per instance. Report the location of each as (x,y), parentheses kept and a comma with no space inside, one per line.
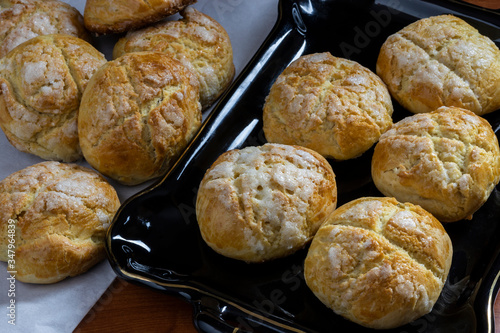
(127,308)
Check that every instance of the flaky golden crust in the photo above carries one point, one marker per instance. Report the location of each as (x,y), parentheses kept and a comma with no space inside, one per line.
(21,20)
(441,61)
(197,40)
(447,161)
(115,16)
(266,202)
(332,105)
(41,84)
(61,213)
(137,115)
(378,262)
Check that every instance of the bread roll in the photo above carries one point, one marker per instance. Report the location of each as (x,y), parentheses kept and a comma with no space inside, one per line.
(21,20)
(262,203)
(115,16)
(441,61)
(137,115)
(197,40)
(378,262)
(53,219)
(447,161)
(332,105)
(41,84)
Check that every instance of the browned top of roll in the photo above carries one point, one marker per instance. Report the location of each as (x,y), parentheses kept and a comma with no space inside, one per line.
(196,40)
(441,61)
(379,262)
(265,202)
(332,105)
(41,85)
(115,16)
(137,115)
(57,214)
(447,161)
(21,20)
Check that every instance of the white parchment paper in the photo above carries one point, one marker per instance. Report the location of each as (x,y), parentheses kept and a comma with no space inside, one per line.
(61,306)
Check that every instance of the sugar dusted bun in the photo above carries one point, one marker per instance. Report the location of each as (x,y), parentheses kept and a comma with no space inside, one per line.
(378,262)
(41,84)
(266,202)
(196,40)
(137,115)
(115,16)
(60,213)
(21,20)
(447,161)
(441,61)
(332,105)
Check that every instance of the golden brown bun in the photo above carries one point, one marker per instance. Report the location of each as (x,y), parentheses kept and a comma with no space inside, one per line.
(197,40)
(21,20)
(137,115)
(441,61)
(41,83)
(378,262)
(332,105)
(447,161)
(266,202)
(55,217)
(114,16)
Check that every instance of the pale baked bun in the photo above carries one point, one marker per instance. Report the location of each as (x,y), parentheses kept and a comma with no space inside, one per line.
(41,84)
(137,115)
(441,61)
(54,217)
(21,20)
(332,105)
(196,40)
(447,161)
(266,202)
(378,262)
(115,16)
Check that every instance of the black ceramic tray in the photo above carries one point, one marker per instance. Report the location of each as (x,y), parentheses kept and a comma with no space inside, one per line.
(154,239)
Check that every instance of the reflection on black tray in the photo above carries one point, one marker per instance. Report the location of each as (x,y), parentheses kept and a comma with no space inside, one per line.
(155,241)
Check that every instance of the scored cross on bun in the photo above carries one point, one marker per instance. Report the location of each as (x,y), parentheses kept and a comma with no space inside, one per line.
(447,161)
(41,84)
(379,262)
(441,61)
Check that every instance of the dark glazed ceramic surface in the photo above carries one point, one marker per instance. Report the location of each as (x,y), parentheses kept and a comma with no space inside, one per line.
(154,239)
